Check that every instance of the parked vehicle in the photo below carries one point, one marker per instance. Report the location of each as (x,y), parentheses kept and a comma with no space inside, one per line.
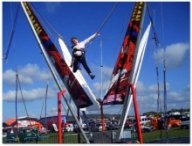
(173,122)
(83,125)
(4,134)
(93,126)
(43,131)
(112,125)
(185,122)
(11,137)
(27,135)
(131,121)
(68,127)
(147,128)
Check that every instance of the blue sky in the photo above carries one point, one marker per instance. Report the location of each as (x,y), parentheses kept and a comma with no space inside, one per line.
(81,19)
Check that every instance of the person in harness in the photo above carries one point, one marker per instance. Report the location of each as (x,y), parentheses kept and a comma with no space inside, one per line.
(78,54)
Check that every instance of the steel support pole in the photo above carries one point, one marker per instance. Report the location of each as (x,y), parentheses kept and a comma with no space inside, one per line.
(102,115)
(59,116)
(137,116)
(78,135)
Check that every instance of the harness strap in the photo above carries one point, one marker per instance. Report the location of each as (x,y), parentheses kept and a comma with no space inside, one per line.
(81,50)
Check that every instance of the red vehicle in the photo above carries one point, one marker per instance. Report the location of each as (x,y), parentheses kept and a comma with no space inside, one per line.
(173,122)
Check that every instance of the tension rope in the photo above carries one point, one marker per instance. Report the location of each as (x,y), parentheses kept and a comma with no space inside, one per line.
(18,84)
(22,97)
(5,57)
(155,37)
(157,43)
(45,102)
(107,17)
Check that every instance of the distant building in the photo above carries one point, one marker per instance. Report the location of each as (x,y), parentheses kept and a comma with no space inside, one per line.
(49,121)
(22,122)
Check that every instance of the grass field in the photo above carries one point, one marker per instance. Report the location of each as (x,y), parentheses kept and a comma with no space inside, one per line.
(52,138)
(147,137)
(172,133)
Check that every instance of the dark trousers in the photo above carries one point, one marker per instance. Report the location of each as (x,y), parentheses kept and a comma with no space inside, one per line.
(82,60)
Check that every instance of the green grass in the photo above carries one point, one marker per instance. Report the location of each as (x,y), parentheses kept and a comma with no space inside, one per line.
(52,138)
(147,137)
(172,133)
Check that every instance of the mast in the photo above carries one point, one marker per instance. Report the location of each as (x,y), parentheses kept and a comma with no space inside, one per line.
(46,105)
(158,97)
(101,66)
(165,90)
(101,94)
(36,30)
(165,100)
(129,98)
(16,98)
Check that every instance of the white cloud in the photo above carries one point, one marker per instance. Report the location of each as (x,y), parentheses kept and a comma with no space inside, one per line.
(52,111)
(9,77)
(147,96)
(178,99)
(28,95)
(174,55)
(153,88)
(140,87)
(143,89)
(106,71)
(104,86)
(27,74)
(147,99)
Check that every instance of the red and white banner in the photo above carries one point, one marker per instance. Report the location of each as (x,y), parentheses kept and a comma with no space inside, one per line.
(79,96)
(121,76)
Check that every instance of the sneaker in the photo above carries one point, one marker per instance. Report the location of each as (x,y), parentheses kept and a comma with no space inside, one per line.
(92,76)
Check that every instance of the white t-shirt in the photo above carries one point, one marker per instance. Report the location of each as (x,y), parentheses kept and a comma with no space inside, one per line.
(81,45)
